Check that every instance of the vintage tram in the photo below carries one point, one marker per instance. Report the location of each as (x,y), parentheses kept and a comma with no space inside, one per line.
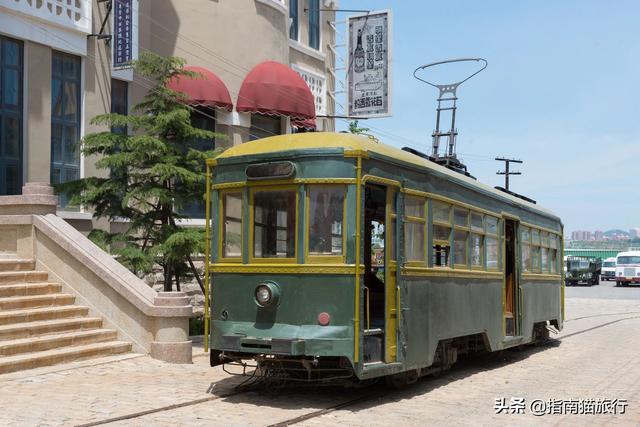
(332,256)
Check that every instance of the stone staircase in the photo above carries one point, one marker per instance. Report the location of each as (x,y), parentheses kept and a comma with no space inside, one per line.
(41,326)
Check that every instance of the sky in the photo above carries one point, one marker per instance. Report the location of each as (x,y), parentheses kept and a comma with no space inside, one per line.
(560,92)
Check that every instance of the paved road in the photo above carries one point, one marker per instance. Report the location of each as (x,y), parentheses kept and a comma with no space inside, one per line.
(606,290)
(595,357)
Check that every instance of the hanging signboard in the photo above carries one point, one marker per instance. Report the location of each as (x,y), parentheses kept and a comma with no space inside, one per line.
(317,85)
(122,33)
(369,65)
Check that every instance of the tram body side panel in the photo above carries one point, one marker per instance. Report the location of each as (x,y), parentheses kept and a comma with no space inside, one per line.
(541,302)
(292,327)
(438,308)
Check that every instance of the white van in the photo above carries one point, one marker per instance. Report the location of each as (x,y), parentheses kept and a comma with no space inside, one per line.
(608,269)
(628,268)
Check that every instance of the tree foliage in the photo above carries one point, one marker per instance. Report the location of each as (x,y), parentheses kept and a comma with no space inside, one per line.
(153,173)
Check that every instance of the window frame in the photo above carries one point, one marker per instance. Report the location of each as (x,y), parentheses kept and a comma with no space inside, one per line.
(446,243)
(312,10)
(323,259)
(64,123)
(499,244)
(221,198)
(9,111)
(251,243)
(478,231)
(410,219)
(294,20)
(464,229)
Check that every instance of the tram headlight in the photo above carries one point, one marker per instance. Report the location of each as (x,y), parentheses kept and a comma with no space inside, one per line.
(267,294)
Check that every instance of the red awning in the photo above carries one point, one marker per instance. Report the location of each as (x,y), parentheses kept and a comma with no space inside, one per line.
(274,88)
(207,89)
(304,124)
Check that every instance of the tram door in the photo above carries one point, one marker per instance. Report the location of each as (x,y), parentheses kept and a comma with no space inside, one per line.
(374,273)
(511,281)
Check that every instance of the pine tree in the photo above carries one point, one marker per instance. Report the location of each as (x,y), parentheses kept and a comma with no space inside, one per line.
(153,174)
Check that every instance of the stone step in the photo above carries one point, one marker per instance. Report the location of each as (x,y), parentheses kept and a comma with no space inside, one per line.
(40,314)
(25,289)
(43,327)
(61,355)
(49,342)
(16,277)
(36,301)
(17,264)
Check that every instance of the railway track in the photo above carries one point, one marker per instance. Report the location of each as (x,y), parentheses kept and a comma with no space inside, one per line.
(364,397)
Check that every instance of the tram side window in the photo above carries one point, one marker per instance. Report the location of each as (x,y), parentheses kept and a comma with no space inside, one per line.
(274,215)
(326,216)
(460,236)
(553,254)
(414,229)
(525,240)
(491,241)
(441,234)
(535,250)
(232,222)
(477,240)
(544,251)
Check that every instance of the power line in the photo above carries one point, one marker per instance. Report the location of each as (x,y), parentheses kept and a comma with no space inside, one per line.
(506,171)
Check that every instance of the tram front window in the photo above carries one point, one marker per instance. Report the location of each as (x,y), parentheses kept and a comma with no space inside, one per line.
(274,215)
(326,212)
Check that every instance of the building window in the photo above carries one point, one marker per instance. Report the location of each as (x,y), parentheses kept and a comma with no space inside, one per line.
(65,120)
(119,102)
(10,116)
(263,126)
(314,24)
(201,118)
(293,16)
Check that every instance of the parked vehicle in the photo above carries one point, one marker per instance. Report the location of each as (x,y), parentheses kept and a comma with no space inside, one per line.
(583,270)
(609,269)
(335,257)
(628,268)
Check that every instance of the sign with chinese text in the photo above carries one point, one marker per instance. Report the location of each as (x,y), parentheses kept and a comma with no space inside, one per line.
(369,65)
(122,33)
(317,85)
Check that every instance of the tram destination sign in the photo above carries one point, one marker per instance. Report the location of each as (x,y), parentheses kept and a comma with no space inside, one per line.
(122,33)
(369,65)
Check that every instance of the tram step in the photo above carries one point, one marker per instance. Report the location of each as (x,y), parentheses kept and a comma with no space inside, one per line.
(511,341)
(61,355)
(17,264)
(49,342)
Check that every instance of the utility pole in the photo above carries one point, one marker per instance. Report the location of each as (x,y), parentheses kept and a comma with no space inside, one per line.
(506,171)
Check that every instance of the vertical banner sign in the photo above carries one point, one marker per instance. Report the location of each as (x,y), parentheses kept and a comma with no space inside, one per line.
(369,65)
(122,33)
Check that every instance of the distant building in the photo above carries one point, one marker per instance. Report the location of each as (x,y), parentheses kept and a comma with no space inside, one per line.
(598,235)
(581,235)
(634,233)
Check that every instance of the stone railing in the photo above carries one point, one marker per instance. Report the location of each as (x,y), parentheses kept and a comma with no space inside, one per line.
(154,322)
(69,14)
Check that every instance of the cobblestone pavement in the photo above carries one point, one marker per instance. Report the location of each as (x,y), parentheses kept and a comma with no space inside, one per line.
(596,357)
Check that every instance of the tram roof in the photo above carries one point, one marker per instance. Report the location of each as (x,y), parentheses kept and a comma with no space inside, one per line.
(351,142)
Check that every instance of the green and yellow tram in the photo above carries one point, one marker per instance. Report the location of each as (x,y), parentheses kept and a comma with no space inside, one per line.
(334,256)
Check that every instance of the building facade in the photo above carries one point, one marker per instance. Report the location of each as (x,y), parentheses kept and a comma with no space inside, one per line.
(56,69)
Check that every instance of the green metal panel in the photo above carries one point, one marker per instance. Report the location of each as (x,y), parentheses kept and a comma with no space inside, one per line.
(302,298)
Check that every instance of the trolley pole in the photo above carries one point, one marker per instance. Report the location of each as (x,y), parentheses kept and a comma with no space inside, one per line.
(506,171)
